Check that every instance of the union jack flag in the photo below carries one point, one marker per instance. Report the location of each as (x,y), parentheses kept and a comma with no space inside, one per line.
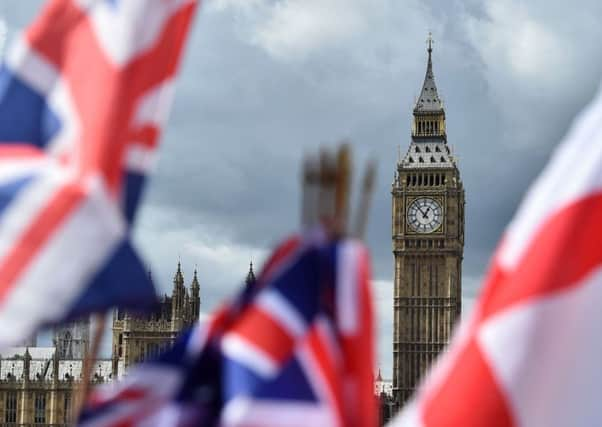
(294,350)
(529,355)
(84,92)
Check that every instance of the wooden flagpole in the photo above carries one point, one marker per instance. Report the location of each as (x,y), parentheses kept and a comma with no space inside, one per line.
(343,189)
(361,219)
(90,358)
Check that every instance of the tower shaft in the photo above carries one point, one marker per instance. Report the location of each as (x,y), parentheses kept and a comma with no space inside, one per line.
(428,241)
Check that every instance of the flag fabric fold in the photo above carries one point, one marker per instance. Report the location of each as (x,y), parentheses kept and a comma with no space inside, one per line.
(295,349)
(529,355)
(84,92)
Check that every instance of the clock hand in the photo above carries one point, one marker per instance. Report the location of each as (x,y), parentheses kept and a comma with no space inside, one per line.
(425,214)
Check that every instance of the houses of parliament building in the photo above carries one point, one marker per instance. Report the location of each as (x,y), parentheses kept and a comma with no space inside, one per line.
(37,384)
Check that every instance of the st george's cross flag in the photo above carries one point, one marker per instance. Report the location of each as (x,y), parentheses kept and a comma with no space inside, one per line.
(84,92)
(530,354)
(295,349)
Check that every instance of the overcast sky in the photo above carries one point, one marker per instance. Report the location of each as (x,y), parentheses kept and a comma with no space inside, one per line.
(265,81)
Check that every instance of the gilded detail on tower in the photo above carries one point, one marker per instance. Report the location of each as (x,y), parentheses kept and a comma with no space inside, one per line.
(428,242)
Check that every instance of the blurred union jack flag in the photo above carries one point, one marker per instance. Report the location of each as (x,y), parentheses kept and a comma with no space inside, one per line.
(294,350)
(84,92)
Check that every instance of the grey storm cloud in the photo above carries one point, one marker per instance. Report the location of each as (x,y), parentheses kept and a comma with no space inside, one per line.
(265,81)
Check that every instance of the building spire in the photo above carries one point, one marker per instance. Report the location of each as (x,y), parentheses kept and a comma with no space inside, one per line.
(195,296)
(429,100)
(179,277)
(250,280)
(429,42)
(195,281)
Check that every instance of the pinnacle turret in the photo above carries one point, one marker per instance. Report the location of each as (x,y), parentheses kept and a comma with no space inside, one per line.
(195,282)
(195,299)
(179,277)
(250,280)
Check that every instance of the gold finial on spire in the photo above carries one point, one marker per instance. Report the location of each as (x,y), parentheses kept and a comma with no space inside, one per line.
(430,42)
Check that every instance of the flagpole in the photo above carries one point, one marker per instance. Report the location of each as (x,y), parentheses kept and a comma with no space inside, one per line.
(90,357)
(342,189)
(363,210)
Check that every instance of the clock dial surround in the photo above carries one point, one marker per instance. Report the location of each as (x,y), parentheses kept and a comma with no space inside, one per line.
(425,215)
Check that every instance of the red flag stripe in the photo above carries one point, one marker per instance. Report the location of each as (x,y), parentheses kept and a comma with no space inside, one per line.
(56,211)
(283,252)
(468,397)
(266,333)
(20,151)
(51,33)
(551,265)
(327,370)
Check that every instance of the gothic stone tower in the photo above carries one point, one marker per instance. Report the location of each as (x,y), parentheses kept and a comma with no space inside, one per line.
(140,337)
(428,242)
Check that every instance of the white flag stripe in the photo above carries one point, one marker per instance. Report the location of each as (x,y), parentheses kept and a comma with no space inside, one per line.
(141,379)
(410,417)
(546,356)
(169,377)
(347,288)
(247,412)
(26,206)
(30,67)
(29,304)
(240,350)
(130,27)
(154,107)
(277,307)
(65,140)
(311,366)
(12,169)
(140,159)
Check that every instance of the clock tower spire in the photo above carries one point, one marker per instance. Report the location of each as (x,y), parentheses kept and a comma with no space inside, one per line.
(428,241)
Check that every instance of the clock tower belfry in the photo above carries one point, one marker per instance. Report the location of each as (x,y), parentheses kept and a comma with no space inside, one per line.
(428,242)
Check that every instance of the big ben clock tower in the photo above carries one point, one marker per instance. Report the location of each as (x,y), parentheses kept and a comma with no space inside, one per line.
(428,242)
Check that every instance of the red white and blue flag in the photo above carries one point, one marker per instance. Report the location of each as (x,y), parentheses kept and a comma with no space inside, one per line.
(530,354)
(84,92)
(294,350)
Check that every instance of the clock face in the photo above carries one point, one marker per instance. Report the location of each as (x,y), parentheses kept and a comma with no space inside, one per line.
(425,215)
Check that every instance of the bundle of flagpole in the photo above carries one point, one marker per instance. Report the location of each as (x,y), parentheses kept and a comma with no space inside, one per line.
(326,192)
